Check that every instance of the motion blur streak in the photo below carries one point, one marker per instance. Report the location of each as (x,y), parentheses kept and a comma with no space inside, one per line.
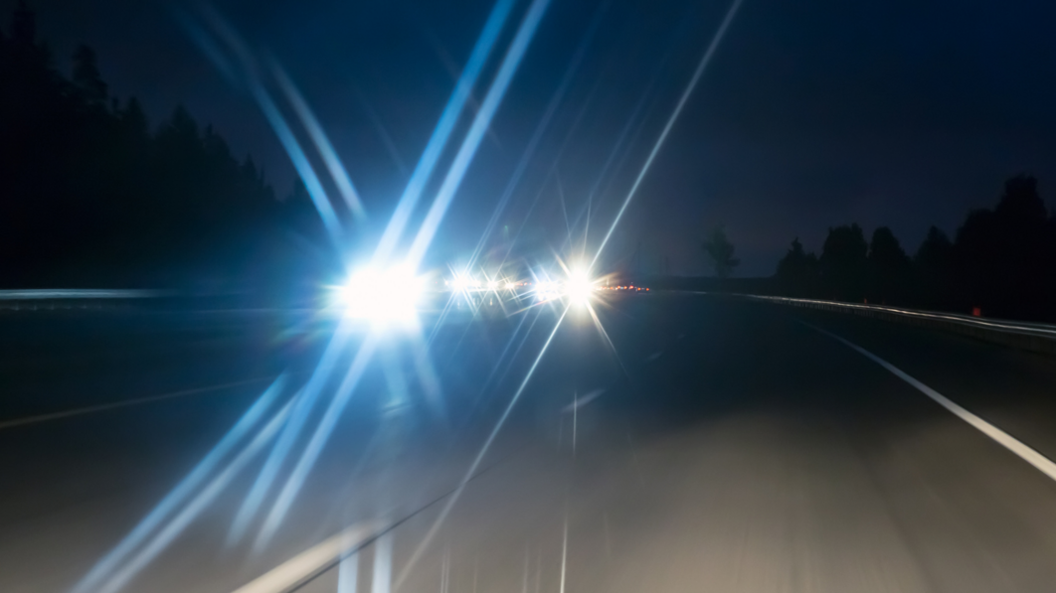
(182,490)
(304,403)
(348,574)
(424,169)
(553,167)
(300,162)
(453,499)
(516,353)
(278,124)
(194,507)
(544,124)
(732,12)
(636,117)
(427,377)
(505,351)
(208,46)
(382,579)
(322,143)
(318,441)
(476,132)
(604,334)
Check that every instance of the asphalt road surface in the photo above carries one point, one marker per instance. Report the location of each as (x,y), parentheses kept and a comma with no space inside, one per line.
(703,444)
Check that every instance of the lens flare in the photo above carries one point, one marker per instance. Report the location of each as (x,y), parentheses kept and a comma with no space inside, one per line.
(382,296)
(579,288)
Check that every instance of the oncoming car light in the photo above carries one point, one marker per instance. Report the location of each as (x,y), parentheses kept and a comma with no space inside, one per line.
(579,287)
(390,295)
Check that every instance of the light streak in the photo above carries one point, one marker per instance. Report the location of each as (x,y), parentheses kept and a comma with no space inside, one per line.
(509,365)
(382,579)
(318,441)
(208,46)
(453,499)
(608,341)
(617,148)
(182,490)
(279,126)
(476,132)
(544,124)
(322,142)
(553,167)
(671,121)
(424,169)
(304,402)
(180,522)
(564,553)
(348,574)
(386,138)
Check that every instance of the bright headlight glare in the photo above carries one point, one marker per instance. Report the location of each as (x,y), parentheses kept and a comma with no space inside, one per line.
(578,287)
(389,295)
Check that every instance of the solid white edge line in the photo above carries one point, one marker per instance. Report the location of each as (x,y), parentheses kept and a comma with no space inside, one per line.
(303,565)
(1025,328)
(1042,463)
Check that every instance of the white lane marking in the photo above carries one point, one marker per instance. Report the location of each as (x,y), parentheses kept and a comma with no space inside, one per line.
(303,565)
(123,404)
(582,401)
(654,356)
(1042,463)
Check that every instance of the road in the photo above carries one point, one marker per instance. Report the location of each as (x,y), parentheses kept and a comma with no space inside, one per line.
(717,445)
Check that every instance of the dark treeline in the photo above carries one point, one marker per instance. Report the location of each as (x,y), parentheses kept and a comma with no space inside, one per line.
(92,195)
(1001,261)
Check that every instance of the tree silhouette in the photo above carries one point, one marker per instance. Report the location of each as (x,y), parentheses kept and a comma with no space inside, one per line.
(889,269)
(86,76)
(1000,254)
(844,258)
(720,251)
(1002,262)
(797,272)
(934,270)
(91,196)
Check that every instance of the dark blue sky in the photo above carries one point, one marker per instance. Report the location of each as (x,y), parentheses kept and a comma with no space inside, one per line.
(812,113)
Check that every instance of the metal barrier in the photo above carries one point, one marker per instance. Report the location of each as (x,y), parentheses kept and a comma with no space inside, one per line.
(51,299)
(1036,337)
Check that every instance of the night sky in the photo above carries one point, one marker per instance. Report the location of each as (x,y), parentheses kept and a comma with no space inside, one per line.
(812,114)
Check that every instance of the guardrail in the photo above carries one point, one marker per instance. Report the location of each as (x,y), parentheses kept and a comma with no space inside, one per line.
(70,298)
(1036,337)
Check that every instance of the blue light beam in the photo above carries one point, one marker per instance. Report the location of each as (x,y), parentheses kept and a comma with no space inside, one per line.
(304,403)
(194,508)
(453,499)
(278,124)
(671,121)
(177,495)
(544,124)
(319,438)
(424,169)
(476,132)
(322,142)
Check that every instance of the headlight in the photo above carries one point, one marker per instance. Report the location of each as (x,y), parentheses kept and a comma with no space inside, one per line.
(380,296)
(579,288)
